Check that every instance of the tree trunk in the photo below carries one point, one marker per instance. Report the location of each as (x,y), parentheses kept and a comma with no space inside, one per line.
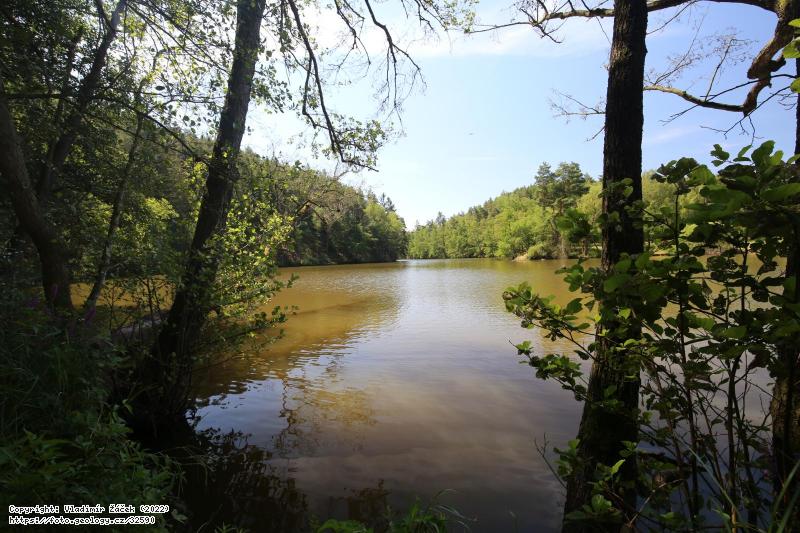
(113,224)
(27,202)
(55,274)
(602,430)
(561,240)
(785,405)
(170,365)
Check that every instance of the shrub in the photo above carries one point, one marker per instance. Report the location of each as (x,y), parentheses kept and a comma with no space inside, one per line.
(61,441)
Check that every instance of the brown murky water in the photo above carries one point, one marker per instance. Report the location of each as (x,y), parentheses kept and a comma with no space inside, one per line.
(394,381)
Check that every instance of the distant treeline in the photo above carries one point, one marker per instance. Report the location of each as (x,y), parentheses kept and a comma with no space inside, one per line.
(293,214)
(346,225)
(556,216)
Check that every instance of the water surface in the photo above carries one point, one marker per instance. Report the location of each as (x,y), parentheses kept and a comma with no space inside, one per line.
(395,381)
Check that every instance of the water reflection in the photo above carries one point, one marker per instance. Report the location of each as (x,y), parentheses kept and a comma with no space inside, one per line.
(228,481)
(399,380)
(238,486)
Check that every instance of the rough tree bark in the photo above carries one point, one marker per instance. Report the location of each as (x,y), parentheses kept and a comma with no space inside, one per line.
(170,364)
(55,275)
(603,431)
(785,405)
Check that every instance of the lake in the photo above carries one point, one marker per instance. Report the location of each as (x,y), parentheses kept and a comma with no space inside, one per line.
(392,381)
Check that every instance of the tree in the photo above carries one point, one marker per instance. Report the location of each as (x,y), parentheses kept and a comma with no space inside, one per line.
(763,69)
(610,412)
(30,209)
(785,404)
(526,222)
(171,363)
(116,213)
(699,347)
(559,191)
(55,275)
(353,143)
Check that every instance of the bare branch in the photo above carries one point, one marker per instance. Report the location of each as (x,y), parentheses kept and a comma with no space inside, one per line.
(701,102)
(312,71)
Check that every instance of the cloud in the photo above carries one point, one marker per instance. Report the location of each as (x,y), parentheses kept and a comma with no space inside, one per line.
(586,38)
(667,135)
(579,37)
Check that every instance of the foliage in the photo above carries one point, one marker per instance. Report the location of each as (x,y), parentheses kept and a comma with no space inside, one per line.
(506,226)
(282,214)
(558,215)
(712,328)
(341,224)
(61,443)
(417,519)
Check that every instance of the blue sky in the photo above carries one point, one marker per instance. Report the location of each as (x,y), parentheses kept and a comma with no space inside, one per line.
(484,122)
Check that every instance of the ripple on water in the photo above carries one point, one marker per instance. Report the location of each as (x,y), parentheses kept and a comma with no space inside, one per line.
(398,380)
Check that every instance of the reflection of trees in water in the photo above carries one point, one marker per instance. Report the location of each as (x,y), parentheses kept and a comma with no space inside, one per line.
(228,481)
(307,409)
(307,378)
(319,330)
(237,483)
(244,485)
(369,506)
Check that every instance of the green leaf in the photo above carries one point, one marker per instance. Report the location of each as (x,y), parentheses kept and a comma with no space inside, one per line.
(781,192)
(653,291)
(616,466)
(643,260)
(761,154)
(737,332)
(623,266)
(615,281)
(743,151)
(600,504)
(719,153)
(791,51)
(573,306)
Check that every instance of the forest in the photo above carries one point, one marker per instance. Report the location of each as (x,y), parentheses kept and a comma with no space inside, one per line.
(202,334)
(555,217)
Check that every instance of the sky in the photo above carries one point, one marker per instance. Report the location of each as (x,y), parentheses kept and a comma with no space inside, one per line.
(484,122)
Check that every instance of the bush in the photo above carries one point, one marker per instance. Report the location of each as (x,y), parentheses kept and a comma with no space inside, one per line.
(705,328)
(541,250)
(62,442)
(417,519)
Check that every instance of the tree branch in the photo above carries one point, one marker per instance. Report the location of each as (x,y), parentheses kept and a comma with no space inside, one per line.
(701,102)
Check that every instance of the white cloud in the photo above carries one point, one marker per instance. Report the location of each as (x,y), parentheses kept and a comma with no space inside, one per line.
(579,37)
(667,135)
(586,37)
